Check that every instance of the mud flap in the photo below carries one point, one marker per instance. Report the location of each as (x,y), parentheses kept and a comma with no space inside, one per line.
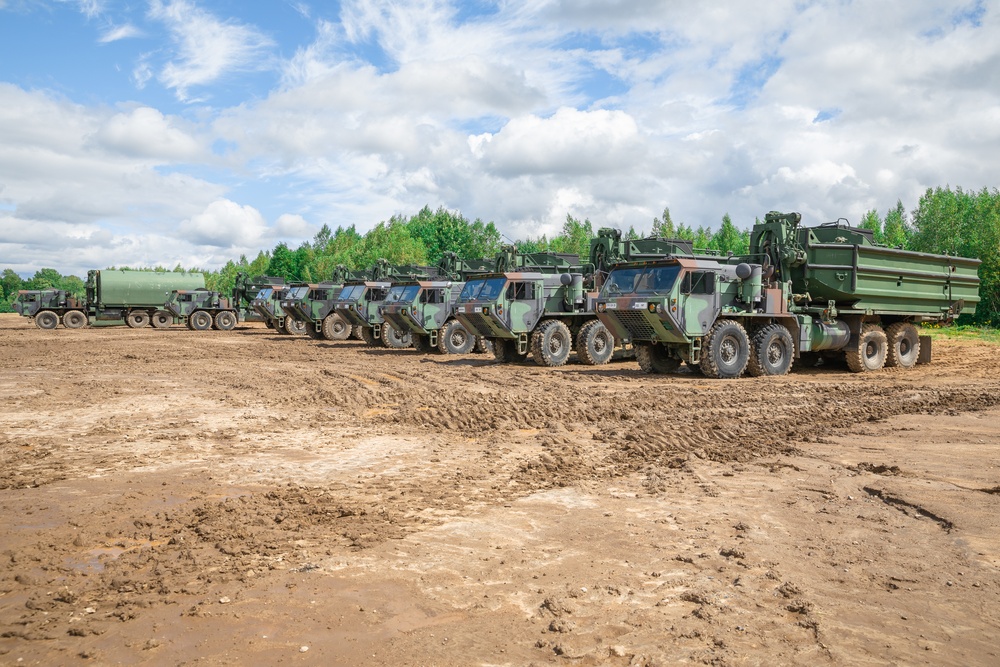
(925,350)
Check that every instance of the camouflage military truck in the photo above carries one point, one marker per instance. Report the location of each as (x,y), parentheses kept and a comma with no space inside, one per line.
(547,307)
(200,309)
(315,305)
(246,289)
(426,308)
(134,298)
(801,293)
(267,305)
(360,302)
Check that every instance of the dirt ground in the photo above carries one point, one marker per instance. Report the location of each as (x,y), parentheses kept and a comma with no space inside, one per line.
(225,498)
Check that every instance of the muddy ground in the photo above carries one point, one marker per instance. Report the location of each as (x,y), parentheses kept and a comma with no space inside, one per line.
(179,497)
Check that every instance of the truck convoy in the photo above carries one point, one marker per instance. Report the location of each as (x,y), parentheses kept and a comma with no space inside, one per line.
(544,304)
(360,302)
(315,305)
(112,296)
(203,309)
(426,308)
(267,305)
(800,293)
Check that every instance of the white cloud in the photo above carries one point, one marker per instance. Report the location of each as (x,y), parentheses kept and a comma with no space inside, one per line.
(224,224)
(116,33)
(145,132)
(207,48)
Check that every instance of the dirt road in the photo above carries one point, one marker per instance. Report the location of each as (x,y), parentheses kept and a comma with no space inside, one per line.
(171,497)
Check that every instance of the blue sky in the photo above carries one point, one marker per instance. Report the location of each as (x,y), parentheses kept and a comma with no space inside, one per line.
(189,131)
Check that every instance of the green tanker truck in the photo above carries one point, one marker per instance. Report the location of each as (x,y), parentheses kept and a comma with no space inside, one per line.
(426,308)
(112,296)
(801,292)
(314,304)
(360,302)
(543,304)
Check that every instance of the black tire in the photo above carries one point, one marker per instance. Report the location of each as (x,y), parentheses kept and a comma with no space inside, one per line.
(315,332)
(455,338)
(74,319)
(870,352)
(725,351)
(293,327)
(483,346)
(903,341)
(655,358)
(594,343)
(225,320)
(161,319)
(394,339)
(505,351)
(422,344)
(368,336)
(771,351)
(200,320)
(357,331)
(551,343)
(335,327)
(46,320)
(137,319)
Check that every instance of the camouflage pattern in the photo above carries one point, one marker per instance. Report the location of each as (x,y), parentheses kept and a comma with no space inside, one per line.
(316,305)
(246,289)
(267,304)
(360,302)
(221,311)
(826,289)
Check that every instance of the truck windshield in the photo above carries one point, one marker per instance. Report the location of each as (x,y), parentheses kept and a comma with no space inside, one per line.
(641,280)
(351,292)
(492,289)
(471,290)
(402,293)
(265,293)
(297,293)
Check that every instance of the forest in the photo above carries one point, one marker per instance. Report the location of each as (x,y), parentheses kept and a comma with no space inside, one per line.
(945,220)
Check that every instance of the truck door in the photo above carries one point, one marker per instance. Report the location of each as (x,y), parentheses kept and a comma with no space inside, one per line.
(523,297)
(699,298)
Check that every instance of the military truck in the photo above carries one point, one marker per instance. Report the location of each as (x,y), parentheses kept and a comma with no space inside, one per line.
(426,308)
(246,289)
(547,307)
(801,293)
(314,304)
(201,310)
(112,297)
(360,302)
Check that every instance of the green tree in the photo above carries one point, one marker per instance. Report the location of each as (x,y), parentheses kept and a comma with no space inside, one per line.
(872,222)
(896,232)
(664,226)
(44,279)
(282,262)
(729,239)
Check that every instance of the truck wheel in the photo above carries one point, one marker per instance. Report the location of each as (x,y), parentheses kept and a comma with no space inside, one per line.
(870,352)
(455,338)
(46,320)
(358,332)
(225,320)
(505,351)
(594,343)
(903,341)
(293,327)
(422,344)
(315,332)
(161,319)
(483,345)
(771,351)
(394,339)
(550,344)
(655,359)
(725,350)
(137,319)
(200,320)
(335,328)
(368,336)
(74,319)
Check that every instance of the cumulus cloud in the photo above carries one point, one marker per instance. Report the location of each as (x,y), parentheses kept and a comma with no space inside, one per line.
(207,47)
(145,132)
(224,224)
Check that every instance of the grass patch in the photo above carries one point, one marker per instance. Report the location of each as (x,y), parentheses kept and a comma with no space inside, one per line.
(965,331)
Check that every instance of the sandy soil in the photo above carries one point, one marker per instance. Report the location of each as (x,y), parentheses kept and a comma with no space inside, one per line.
(172,497)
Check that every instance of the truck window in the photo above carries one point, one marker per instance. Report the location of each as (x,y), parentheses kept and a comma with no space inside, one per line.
(699,282)
(521,291)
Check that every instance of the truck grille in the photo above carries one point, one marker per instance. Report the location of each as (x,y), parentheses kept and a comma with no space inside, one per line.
(479,323)
(636,323)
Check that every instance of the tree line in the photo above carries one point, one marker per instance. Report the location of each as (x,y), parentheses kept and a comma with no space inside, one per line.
(945,220)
